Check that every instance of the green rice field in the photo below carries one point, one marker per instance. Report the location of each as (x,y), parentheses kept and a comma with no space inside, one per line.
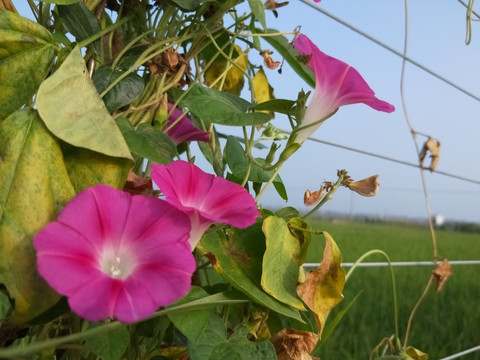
(446,322)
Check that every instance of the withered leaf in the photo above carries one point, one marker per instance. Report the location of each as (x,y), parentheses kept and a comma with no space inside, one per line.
(441,273)
(432,146)
(366,187)
(136,185)
(291,344)
(7,5)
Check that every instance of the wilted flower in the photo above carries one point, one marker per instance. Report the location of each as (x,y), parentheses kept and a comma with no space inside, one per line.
(206,198)
(365,187)
(183,129)
(115,255)
(310,199)
(337,84)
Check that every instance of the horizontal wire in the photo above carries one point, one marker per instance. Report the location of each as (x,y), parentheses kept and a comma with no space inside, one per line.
(460,354)
(387,47)
(399,263)
(388,158)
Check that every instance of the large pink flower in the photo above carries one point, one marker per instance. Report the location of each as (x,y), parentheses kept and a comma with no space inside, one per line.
(206,198)
(337,84)
(183,129)
(115,255)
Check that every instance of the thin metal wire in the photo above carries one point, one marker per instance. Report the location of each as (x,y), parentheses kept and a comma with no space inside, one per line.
(457,355)
(387,47)
(388,158)
(399,263)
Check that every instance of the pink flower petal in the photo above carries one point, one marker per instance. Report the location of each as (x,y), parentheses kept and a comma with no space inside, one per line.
(112,253)
(183,130)
(337,84)
(205,197)
(96,300)
(60,247)
(103,210)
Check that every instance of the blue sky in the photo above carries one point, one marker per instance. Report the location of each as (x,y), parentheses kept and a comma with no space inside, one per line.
(437,41)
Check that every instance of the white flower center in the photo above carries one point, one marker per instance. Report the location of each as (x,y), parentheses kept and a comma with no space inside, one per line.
(117,264)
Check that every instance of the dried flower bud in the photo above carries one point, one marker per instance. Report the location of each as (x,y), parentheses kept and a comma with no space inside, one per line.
(273,5)
(365,187)
(268,61)
(311,199)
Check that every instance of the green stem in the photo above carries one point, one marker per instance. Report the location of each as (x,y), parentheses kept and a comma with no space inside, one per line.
(327,197)
(270,181)
(105,31)
(394,287)
(39,346)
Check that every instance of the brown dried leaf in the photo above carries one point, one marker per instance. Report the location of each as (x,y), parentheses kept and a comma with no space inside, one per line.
(365,187)
(7,5)
(432,146)
(137,185)
(441,273)
(311,199)
(291,344)
(268,61)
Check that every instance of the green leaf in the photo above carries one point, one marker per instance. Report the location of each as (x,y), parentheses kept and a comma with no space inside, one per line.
(80,118)
(285,253)
(237,257)
(290,54)
(281,106)
(188,5)
(148,142)
(109,345)
(214,345)
(87,168)
(126,91)
(220,107)
(80,22)
(258,10)
(4,306)
(26,56)
(331,325)
(191,324)
(34,187)
(238,163)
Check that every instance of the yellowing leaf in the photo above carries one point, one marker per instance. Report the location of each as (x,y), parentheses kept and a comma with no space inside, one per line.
(282,260)
(410,353)
(234,79)
(34,187)
(88,168)
(26,56)
(73,111)
(262,89)
(322,289)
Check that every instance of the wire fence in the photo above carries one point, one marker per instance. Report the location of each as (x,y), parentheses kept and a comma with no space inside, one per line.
(399,263)
(450,83)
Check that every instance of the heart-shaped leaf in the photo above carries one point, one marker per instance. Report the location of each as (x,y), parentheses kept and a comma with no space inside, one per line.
(34,187)
(80,118)
(26,56)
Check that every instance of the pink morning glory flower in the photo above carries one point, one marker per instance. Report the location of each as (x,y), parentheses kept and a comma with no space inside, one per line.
(206,198)
(337,84)
(183,129)
(115,255)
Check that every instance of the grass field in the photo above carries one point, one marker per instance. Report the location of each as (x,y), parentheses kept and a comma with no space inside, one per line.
(445,323)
